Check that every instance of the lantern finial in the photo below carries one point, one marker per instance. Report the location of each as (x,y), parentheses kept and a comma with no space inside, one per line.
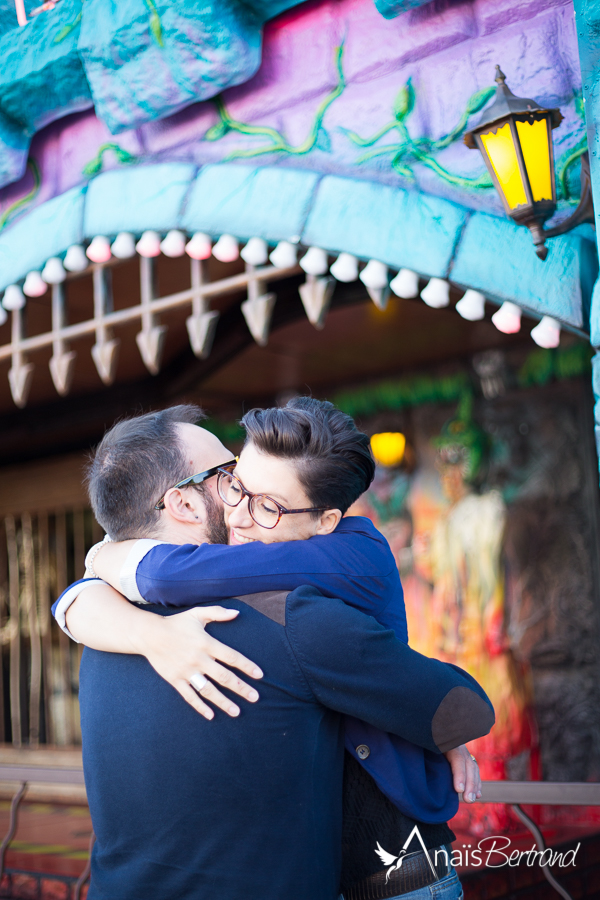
(500,76)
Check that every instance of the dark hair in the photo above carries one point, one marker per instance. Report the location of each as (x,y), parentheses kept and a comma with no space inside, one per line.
(333,458)
(135,463)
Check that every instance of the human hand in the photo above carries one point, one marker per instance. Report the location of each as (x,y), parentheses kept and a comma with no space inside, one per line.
(178,647)
(465,773)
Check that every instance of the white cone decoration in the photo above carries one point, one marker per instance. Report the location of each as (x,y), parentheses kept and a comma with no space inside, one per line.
(257,314)
(99,250)
(200,246)
(285,255)
(76,260)
(508,318)
(547,333)
(256,252)
(316,295)
(34,286)
(471,306)
(3,316)
(174,244)
(149,244)
(123,245)
(13,298)
(54,271)
(436,294)
(375,275)
(315,262)
(226,249)
(345,268)
(405,284)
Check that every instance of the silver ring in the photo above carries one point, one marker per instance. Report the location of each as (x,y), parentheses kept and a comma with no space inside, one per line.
(198,681)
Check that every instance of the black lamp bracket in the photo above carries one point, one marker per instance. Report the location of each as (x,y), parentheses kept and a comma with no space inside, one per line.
(583,213)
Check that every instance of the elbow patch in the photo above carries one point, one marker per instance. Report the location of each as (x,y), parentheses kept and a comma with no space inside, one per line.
(462,716)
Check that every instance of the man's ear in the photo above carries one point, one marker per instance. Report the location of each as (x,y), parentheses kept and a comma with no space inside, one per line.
(184,505)
(329,521)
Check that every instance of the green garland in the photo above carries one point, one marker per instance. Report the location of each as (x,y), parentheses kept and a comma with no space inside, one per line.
(23,202)
(540,367)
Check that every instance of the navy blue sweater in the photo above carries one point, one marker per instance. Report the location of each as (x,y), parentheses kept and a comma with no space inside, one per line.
(250,808)
(354,563)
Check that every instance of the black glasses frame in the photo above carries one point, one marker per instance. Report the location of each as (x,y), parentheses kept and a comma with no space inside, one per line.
(195,479)
(223,471)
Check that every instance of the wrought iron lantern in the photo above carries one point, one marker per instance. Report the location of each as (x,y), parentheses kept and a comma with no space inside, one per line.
(514,136)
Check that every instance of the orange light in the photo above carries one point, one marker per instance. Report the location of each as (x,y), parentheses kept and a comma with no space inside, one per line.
(388,448)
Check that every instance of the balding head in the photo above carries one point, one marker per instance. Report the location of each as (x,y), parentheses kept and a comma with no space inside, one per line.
(139,459)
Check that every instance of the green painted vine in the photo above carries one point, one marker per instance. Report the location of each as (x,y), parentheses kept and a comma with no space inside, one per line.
(66,30)
(408,150)
(278,143)
(21,204)
(94,167)
(155,23)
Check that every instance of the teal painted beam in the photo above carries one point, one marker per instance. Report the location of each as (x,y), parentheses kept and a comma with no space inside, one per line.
(374,221)
(271,202)
(47,231)
(496,257)
(137,199)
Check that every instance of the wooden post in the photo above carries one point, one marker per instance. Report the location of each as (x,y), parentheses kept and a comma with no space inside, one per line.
(34,636)
(15,637)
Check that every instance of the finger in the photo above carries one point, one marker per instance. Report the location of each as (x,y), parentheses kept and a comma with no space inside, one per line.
(473,781)
(190,696)
(227,679)
(231,657)
(210,693)
(459,774)
(214,613)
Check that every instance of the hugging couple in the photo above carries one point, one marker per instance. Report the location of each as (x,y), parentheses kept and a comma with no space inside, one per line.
(311,776)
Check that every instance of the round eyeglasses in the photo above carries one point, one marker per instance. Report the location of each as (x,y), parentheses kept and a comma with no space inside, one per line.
(265,511)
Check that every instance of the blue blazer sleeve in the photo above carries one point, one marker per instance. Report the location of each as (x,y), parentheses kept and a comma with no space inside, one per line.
(355,666)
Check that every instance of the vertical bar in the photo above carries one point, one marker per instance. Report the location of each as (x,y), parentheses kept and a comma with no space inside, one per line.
(3,615)
(34,636)
(21,14)
(15,630)
(199,278)
(147,291)
(64,649)
(45,620)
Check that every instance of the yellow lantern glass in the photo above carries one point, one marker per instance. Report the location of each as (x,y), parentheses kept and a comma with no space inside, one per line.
(535,140)
(500,148)
(388,448)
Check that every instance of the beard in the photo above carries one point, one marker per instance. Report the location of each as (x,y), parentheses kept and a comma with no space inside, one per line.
(216,529)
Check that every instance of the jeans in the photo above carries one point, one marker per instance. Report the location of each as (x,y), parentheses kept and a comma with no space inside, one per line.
(447,888)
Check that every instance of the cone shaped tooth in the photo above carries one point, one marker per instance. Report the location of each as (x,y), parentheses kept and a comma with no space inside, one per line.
(99,249)
(285,255)
(508,318)
(405,284)
(19,379)
(149,244)
(257,314)
(34,286)
(471,306)
(199,247)
(436,293)
(75,259)
(256,252)
(123,246)
(174,244)
(315,262)
(375,275)
(105,358)
(62,369)
(3,315)
(13,298)
(226,249)
(54,271)
(546,333)
(201,331)
(379,296)
(316,295)
(345,268)
(151,344)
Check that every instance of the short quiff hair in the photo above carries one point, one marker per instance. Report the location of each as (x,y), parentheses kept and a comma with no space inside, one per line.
(332,457)
(134,464)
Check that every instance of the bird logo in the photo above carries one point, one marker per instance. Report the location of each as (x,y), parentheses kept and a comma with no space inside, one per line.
(394,860)
(388,859)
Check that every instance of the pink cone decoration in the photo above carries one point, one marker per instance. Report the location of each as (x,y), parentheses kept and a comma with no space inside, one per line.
(226,249)
(99,250)
(200,246)
(149,244)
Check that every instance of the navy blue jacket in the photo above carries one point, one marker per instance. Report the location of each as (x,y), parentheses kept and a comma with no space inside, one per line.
(354,563)
(250,808)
